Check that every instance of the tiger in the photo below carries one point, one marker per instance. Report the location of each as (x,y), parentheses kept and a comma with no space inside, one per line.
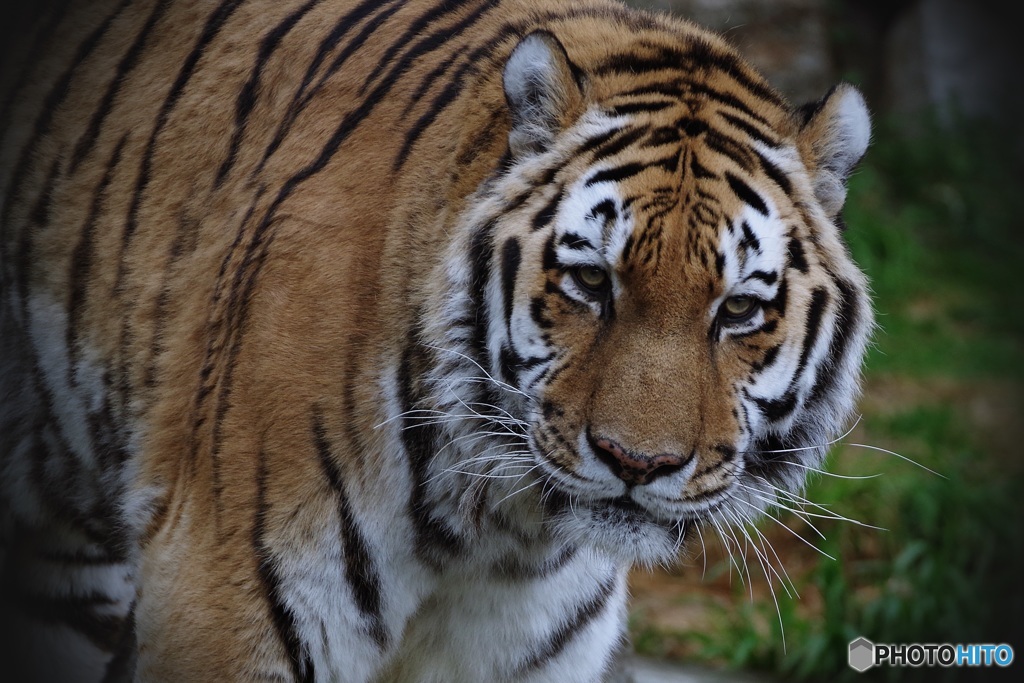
(378,340)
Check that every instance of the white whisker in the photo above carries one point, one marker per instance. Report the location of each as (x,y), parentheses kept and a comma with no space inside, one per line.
(902,457)
(829,474)
(498,383)
(779,522)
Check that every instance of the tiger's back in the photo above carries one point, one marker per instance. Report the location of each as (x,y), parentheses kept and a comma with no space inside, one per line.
(248,246)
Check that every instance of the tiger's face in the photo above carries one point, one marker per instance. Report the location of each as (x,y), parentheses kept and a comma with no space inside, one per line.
(671,298)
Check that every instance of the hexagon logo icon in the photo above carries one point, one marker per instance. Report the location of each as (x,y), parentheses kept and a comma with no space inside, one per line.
(862,655)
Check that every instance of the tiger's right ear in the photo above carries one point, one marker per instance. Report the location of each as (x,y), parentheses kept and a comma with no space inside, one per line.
(833,136)
(543,93)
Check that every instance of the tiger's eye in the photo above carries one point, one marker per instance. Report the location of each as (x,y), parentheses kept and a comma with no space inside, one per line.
(591,277)
(739,307)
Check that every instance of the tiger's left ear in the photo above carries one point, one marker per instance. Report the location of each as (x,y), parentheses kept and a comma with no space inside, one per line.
(543,94)
(833,136)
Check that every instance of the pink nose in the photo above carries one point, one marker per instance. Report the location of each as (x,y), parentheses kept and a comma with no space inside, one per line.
(636,468)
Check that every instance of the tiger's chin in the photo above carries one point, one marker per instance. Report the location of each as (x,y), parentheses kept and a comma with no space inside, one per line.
(620,528)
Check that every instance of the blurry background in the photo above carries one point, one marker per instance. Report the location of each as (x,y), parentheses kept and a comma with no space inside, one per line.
(934,217)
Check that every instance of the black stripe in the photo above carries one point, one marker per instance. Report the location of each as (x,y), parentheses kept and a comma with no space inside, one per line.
(247,95)
(214,23)
(435,540)
(729,147)
(610,142)
(779,408)
(184,242)
(214,330)
(815,312)
(104,435)
(766,328)
(775,173)
(360,568)
(768,359)
(699,171)
(450,92)
(412,31)
(556,642)
(634,62)
(485,51)
(778,304)
(549,257)
(620,173)
(753,131)
(750,240)
(530,362)
(124,67)
(606,210)
(509,362)
(352,120)
(847,321)
(664,135)
(54,98)
(339,60)
(428,81)
(548,211)
(776,409)
(705,54)
(483,139)
(81,260)
(481,252)
(510,260)
(746,193)
(259,243)
(688,89)
(538,306)
(627,108)
(763,276)
(301,98)
(699,57)
(514,568)
(691,127)
(574,241)
(281,615)
(797,259)
(236,332)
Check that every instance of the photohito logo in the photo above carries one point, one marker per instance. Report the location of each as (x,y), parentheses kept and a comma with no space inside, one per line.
(864,654)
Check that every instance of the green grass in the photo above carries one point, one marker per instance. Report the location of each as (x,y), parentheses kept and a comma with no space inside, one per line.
(933,218)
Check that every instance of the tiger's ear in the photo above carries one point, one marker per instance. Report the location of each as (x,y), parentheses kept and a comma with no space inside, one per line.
(542,91)
(833,136)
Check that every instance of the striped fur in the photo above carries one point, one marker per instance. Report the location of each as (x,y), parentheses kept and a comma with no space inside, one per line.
(302,379)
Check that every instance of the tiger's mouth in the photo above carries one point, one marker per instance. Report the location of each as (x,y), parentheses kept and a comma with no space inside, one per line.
(623,511)
(621,526)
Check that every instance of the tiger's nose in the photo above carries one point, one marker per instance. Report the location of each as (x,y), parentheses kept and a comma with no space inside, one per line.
(635,468)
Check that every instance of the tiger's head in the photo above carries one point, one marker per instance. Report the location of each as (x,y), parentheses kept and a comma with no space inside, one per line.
(657,287)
